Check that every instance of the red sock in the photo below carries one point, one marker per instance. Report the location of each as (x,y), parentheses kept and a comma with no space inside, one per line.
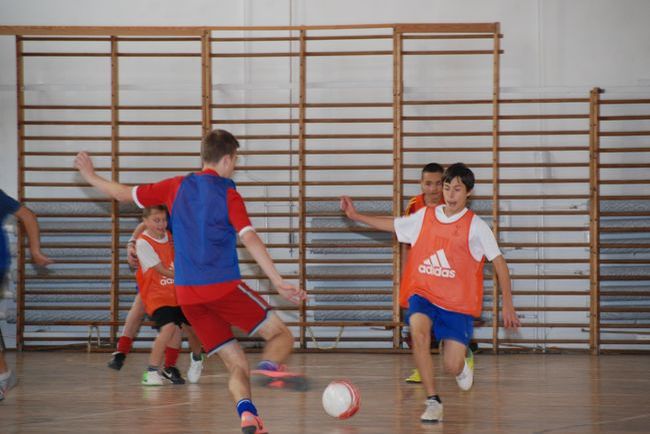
(171,356)
(124,344)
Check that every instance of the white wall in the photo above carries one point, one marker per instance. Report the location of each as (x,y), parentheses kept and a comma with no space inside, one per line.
(551,46)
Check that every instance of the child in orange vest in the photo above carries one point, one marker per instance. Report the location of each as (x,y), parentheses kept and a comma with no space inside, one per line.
(431,187)
(155,277)
(442,285)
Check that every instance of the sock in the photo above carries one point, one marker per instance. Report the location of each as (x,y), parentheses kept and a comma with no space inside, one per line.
(436,397)
(171,356)
(267,365)
(124,344)
(196,358)
(246,405)
(152,368)
(5,375)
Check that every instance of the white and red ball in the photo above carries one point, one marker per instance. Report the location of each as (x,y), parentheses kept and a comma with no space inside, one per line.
(341,399)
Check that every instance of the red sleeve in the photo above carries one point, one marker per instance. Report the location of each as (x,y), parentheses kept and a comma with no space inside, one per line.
(237,213)
(159,193)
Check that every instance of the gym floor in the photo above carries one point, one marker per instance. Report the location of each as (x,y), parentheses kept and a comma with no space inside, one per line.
(76,392)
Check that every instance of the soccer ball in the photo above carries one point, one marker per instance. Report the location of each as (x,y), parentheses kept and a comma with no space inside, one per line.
(341,399)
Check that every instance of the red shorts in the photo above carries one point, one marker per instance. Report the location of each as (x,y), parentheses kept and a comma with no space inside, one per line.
(212,322)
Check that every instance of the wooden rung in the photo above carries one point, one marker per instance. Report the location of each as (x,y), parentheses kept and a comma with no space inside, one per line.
(624,150)
(625,118)
(624,133)
(446,52)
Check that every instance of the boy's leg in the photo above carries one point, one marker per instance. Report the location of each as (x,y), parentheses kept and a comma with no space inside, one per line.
(152,376)
(422,315)
(279,345)
(239,385)
(455,330)
(131,326)
(279,340)
(453,356)
(196,358)
(7,377)
(421,341)
(234,359)
(459,361)
(167,332)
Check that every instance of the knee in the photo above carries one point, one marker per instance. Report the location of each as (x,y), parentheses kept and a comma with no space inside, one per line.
(278,331)
(420,338)
(453,366)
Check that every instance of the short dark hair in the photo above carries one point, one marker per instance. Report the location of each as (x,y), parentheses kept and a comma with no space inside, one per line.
(433,168)
(216,145)
(459,170)
(146,212)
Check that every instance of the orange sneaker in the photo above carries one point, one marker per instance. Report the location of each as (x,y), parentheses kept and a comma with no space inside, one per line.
(251,424)
(280,379)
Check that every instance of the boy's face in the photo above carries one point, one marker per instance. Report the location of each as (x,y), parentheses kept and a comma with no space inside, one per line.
(456,195)
(156,223)
(431,185)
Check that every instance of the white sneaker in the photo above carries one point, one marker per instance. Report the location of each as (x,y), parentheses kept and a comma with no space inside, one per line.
(432,411)
(7,384)
(152,378)
(195,369)
(465,379)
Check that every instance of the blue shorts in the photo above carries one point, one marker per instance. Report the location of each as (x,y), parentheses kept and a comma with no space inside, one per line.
(445,323)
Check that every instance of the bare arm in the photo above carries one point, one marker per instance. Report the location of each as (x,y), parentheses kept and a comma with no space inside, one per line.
(383,223)
(131,255)
(28,218)
(164,271)
(117,191)
(503,275)
(257,249)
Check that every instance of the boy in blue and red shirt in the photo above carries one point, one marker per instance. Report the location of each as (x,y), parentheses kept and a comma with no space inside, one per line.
(207,215)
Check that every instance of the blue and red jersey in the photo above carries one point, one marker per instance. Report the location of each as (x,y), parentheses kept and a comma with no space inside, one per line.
(207,213)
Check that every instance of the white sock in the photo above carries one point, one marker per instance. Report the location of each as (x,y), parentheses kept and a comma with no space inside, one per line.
(5,375)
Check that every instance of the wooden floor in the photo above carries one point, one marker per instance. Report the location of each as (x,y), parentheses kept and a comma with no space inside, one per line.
(77,393)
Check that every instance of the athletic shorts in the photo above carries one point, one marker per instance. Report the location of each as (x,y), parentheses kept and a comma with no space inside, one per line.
(168,314)
(445,323)
(212,322)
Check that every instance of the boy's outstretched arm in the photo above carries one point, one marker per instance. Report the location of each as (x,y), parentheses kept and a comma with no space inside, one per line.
(383,223)
(257,249)
(117,191)
(503,275)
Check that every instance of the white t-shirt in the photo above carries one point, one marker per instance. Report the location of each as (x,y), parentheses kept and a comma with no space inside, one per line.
(481,239)
(146,254)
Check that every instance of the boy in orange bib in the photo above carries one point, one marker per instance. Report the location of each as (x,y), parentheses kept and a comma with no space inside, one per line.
(155,277)
(442,284)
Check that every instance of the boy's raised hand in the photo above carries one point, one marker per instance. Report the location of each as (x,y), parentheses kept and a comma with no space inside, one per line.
(84,164)
(290,292)
(348,207)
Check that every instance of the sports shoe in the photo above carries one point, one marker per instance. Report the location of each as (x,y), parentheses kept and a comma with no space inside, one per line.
(172,374)
(432,411)
(195,369)
(251,424)
(466,378)
(414,377)
(117,361)
(7,384)
(280,379)
(152,378)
